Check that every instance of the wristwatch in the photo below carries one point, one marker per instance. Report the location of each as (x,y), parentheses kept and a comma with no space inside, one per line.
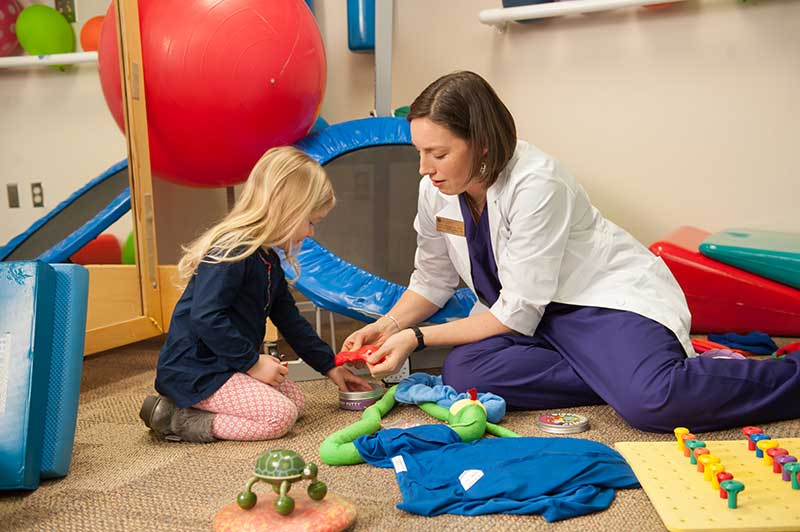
(420,339)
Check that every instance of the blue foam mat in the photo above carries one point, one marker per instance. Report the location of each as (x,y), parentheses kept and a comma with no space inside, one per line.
(66,365)
(27,292)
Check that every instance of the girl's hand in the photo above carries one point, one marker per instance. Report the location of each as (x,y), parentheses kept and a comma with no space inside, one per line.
(396,350)
(347,382)
(375,333)
(269,370)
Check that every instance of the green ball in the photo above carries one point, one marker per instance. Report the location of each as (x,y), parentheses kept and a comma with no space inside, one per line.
(246,500)
(128,251)
(42,30)
(317,490)
(284,505)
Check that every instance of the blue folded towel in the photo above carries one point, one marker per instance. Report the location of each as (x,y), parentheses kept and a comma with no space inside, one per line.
(755,342)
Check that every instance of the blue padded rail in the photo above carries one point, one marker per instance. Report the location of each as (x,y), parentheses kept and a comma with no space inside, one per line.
(27,291)
(66,365)
(329,281)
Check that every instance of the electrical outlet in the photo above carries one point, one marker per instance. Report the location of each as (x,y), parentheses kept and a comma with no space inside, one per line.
(67,8)
(37,194)
(13,195)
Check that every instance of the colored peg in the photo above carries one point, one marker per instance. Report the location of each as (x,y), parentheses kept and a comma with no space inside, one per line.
(692,445)
(680,431)
(686,437)
(757,437)
(722,477)
(708,460)
(749,431)
(774,453)
(764,446)
(699,453)
(716,469)
(732,487)
(793,468)
(781,462)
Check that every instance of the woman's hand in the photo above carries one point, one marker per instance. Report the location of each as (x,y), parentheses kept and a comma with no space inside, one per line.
(269,370)
(347,382)
(395,350)
(375,333)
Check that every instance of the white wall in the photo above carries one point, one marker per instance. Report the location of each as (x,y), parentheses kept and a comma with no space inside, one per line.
(683,115)
(675,116)
(55,129)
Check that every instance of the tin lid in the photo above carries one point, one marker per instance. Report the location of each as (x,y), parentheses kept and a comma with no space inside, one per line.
(375,393)
(563,422)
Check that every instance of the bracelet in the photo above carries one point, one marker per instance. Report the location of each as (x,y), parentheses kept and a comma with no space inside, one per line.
(394,320)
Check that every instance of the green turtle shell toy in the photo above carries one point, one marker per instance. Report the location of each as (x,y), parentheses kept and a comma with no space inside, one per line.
(281,468)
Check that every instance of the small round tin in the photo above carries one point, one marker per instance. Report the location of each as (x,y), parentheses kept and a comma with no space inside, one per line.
(563,422)
(360,400)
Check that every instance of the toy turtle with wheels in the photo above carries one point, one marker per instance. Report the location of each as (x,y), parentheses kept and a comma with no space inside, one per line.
(282,468)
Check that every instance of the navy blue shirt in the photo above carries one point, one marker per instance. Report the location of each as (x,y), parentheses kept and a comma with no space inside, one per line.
(219,324)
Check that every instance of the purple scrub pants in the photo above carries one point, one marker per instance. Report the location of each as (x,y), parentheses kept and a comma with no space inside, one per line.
(590,355)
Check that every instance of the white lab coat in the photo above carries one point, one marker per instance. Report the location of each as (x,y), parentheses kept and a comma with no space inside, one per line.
(550,244)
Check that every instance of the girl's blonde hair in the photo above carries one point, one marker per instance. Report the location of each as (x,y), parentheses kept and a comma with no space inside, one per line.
(284,189)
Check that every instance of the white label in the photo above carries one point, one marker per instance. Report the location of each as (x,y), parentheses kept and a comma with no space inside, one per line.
(469,477)
(5,359)
(399,464)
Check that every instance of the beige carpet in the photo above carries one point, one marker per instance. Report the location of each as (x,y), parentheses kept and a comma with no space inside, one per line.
(123,480)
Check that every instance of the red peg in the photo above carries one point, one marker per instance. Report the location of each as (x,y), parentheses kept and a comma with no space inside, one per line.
(720,478)
(772,453)
(697,454)
(749,431)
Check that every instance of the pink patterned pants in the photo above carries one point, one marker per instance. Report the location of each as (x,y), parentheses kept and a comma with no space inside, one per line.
(249,410)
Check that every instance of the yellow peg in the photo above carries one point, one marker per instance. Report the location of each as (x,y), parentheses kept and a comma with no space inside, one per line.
(716,468)
(708,460)
(679,432)
(764,445)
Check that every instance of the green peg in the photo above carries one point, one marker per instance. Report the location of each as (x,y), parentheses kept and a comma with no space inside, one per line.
(793,468)
(692,445)
(732,487)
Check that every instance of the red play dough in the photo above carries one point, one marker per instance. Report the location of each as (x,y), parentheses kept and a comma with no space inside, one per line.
(345,357)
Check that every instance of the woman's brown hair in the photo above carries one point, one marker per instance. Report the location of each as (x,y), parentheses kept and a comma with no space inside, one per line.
(468,106)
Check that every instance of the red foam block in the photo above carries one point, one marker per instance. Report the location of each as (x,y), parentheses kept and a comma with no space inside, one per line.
(723,298)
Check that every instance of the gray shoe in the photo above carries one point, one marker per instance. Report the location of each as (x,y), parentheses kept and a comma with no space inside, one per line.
(193,425)
(157,412)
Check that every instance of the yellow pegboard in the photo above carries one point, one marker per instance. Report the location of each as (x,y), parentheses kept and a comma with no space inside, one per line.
(686,502)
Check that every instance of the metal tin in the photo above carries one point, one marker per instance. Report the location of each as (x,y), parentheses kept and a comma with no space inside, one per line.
(360,400)
(563,422)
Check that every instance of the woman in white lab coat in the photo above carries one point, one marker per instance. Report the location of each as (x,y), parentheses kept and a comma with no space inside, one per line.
(572,309)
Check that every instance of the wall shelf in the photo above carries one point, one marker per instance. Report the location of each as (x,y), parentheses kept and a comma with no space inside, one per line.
(502,16)
(54,59)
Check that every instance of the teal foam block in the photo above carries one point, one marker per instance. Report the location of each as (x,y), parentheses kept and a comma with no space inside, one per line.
(66,365)
(27,291)
(770,254)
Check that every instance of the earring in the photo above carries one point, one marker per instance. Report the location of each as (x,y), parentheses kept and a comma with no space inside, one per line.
(483,168)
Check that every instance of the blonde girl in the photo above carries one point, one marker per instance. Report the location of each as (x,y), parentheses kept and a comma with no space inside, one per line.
(212,381)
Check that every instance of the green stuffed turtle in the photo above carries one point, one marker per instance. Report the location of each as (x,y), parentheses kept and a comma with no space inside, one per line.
(281,468)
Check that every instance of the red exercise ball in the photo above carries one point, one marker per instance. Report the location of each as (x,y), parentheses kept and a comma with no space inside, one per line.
(90,34)
(225,81)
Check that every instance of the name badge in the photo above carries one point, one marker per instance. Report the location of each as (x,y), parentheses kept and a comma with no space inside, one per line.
(452,227)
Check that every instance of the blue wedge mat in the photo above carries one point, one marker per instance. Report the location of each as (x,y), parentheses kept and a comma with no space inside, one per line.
(66,365)
(27,291)
(770,254)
